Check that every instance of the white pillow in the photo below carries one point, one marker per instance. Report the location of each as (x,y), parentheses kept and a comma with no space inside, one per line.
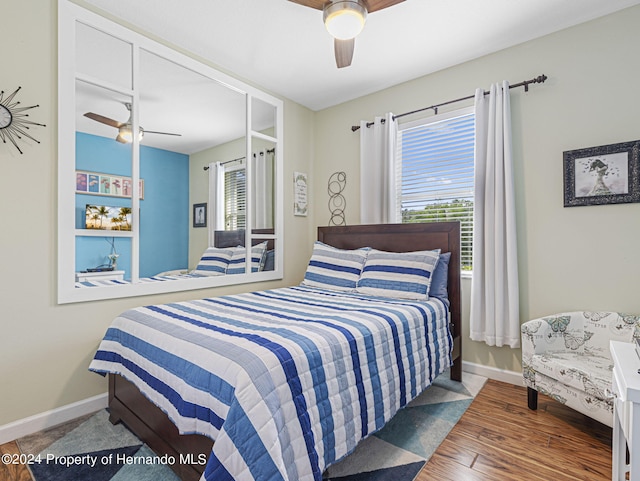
(332,268)
(214,261)
(238,259)
(401,275)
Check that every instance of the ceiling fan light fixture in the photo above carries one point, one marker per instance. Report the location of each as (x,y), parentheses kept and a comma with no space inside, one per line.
(344,19)
(125,135)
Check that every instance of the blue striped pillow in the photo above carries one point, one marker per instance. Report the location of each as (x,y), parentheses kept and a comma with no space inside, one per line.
(214,262)
(332,268)
(402,275)
(238,259)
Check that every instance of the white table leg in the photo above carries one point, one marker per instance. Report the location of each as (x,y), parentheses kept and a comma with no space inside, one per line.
(632,442)
(618,461)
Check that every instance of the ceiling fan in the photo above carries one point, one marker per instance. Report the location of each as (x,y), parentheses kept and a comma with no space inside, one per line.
(124,128)
(344,20)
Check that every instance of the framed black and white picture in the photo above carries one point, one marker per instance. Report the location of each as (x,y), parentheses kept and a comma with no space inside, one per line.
(607,174)
(200,215)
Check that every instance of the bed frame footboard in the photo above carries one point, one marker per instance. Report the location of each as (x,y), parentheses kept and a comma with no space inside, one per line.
(189,452)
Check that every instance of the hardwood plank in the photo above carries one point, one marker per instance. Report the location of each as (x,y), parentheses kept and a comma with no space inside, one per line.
(458,453)
(500,438)
(441,468)
(509,461)
(11,471)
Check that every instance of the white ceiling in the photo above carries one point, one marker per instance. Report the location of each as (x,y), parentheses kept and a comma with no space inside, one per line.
(283,47)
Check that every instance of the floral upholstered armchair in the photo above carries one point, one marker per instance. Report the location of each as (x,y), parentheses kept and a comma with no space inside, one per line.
(566,356)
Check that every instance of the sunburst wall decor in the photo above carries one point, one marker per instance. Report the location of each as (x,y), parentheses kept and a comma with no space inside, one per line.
(13,121)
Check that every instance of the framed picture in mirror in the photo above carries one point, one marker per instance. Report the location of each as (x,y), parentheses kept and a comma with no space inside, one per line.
(200,215)
(105,184)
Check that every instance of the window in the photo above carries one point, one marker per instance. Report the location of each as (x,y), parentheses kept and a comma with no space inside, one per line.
(435,173)
(235,198)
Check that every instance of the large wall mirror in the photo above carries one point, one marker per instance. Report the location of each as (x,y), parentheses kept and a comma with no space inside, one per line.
(170,172)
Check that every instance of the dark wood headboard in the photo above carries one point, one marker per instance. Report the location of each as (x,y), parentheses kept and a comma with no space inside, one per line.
(407,238)
(233,238)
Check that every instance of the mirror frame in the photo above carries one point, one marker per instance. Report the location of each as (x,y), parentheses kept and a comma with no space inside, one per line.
(68,15)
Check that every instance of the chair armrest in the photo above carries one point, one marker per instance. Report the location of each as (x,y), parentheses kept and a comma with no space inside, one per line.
(578,332)
(548,333)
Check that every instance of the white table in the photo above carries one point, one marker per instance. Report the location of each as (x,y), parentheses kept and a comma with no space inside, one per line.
(626,411)
(99,276)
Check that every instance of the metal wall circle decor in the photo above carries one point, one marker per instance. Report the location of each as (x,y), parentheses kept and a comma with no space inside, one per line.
(13,120)
(337,203)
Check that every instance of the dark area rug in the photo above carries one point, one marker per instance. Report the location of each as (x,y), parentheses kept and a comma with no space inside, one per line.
(91,448)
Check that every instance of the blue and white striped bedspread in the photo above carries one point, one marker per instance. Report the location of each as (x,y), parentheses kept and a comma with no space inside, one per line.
(285,381)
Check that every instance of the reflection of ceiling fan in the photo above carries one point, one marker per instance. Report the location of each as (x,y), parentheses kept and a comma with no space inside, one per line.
(344,21)
(124,128)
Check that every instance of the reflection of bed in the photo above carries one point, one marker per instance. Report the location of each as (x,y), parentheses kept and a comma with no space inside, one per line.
(222,239)
(152,425)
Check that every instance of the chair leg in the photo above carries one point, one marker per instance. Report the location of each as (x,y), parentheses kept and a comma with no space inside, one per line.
(532,398)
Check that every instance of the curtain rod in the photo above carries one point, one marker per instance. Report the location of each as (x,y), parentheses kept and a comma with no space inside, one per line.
(269,151)
(525,83)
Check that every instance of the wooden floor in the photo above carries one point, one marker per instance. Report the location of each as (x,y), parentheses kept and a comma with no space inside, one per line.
(498,439)
(10,471)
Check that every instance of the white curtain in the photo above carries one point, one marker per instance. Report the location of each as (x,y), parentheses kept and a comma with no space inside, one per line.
(378,198)
(494,316)
(215,215)
(262,169)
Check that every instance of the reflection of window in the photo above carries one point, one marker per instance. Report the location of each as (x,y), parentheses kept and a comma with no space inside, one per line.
(235,198)
(437,180)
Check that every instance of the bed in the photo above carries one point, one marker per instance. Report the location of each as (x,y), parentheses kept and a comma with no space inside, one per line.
(289,417)
(223,241)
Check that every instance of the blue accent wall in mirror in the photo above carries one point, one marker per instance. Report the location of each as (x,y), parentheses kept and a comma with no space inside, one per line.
(164,210)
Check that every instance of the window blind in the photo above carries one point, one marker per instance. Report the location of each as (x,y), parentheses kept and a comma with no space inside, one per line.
(235,199)
(436,182)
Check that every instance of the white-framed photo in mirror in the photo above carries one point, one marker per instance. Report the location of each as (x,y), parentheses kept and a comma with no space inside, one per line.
(200,215)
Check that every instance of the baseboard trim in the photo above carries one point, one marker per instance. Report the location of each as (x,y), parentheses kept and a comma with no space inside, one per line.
(48,419)
(503,375)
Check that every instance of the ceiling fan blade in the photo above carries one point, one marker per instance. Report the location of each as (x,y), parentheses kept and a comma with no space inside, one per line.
(162,133)
(343,50)
(104,120)
(317,4)
(375,5)
(371,5)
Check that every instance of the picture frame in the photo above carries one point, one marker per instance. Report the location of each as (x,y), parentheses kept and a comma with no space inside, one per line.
(300,207)
(602,175)
(107,217)
(200,215)
(96,183)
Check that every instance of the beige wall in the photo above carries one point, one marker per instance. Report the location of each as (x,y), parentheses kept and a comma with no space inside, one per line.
(580,258)
(199,184)
(45,348)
